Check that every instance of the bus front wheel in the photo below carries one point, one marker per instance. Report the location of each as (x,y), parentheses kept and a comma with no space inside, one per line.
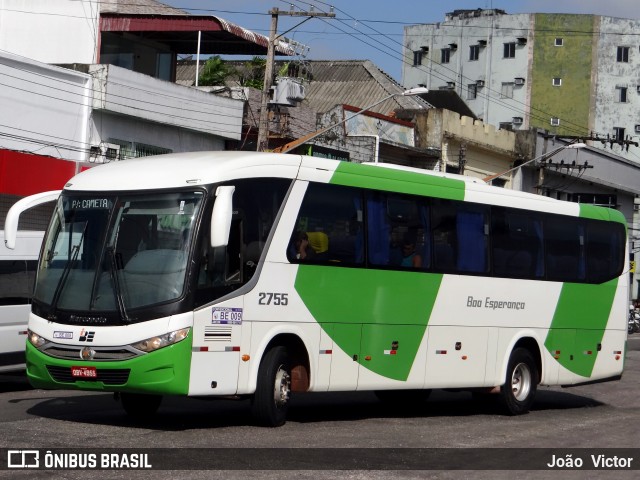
(521,382)
(139,405)
(273,389)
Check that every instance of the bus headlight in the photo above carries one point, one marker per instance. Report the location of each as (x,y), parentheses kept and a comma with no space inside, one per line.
(155,343)
(35,339)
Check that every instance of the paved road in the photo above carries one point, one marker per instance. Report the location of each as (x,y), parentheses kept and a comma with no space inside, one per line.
(598,417)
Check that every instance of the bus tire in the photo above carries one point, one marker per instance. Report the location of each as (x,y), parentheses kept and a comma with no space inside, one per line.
(140,405)
(521,383)
(273,390)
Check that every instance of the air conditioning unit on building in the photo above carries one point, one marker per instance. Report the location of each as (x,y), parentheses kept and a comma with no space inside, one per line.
(480,83)
(518,81)
(451,85)
(637,128)
(517,120)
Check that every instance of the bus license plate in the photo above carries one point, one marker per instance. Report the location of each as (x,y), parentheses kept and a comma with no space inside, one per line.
(84,372)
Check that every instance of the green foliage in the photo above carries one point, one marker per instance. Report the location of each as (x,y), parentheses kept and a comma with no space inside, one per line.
(284,70)
(252,74)
(214,72)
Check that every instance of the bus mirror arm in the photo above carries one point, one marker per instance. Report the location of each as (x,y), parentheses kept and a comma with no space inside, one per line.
(221,216)
(13,215)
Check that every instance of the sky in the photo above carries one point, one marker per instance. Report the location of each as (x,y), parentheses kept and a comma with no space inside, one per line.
(373,29)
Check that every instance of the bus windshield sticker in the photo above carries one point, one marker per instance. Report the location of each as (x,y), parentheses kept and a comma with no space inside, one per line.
(90,204)
(226,316)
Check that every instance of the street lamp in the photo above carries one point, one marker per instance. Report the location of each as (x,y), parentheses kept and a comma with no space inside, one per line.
(291,145)
(540,157)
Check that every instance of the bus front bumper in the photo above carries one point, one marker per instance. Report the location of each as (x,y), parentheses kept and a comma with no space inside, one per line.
(163,372)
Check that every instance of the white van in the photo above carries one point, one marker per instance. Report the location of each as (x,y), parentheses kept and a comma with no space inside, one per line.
(17,275)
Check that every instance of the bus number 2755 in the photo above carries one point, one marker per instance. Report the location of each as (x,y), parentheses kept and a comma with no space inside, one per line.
(268,298)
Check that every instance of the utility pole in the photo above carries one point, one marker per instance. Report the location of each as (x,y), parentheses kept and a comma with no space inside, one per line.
(263,124)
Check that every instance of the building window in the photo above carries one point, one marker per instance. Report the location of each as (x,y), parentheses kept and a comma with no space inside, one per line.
(510,50)
(556,82)
(559,42)
(555,121)
(472,91)
(132,150)
(507,90)
(618,134)
(623,54)
(474,52)
(445,55)
(621,94)
(417,58)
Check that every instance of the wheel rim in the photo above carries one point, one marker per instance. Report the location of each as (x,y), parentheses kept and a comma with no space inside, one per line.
(521,382)
(282,387)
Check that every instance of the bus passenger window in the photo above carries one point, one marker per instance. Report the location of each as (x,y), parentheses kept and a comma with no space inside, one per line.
(332,218)
(397,231)
(444,236)
(460,236)
(605,251)
(564,247)
(516,247)
(472,240)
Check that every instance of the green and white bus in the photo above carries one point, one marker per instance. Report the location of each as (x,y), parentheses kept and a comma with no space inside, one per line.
(180,275)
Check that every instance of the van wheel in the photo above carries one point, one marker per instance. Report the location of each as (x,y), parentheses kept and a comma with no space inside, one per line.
(273,390)
(519,389)
(140,405)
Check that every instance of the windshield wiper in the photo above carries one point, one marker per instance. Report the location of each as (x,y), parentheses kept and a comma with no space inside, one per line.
(116,285)
(75,250)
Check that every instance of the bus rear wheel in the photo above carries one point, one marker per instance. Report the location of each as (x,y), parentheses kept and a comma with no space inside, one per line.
(519,389)
(273,389)
(140,405)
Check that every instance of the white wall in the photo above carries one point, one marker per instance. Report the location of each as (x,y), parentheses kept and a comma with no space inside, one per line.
(491,66)
(609,112)
(129,93)
(51,31)
(45,109)
(107,125)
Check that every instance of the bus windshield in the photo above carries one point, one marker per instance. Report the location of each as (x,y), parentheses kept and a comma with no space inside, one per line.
(113,253)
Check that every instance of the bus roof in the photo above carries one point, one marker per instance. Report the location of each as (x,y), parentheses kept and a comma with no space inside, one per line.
(184,169)
(202,168)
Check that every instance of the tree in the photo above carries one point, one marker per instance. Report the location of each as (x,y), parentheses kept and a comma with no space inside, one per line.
(214,72)
(252,74)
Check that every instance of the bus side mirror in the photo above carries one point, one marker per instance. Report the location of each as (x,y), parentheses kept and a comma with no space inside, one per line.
(13,215)
(221,216)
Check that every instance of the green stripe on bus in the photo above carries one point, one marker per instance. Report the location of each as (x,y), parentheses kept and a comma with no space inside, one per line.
(378,317)
(600,213)
(579,323)
(388,179)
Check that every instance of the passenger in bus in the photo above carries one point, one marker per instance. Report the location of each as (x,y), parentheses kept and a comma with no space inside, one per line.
(301,248)
(410,258)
